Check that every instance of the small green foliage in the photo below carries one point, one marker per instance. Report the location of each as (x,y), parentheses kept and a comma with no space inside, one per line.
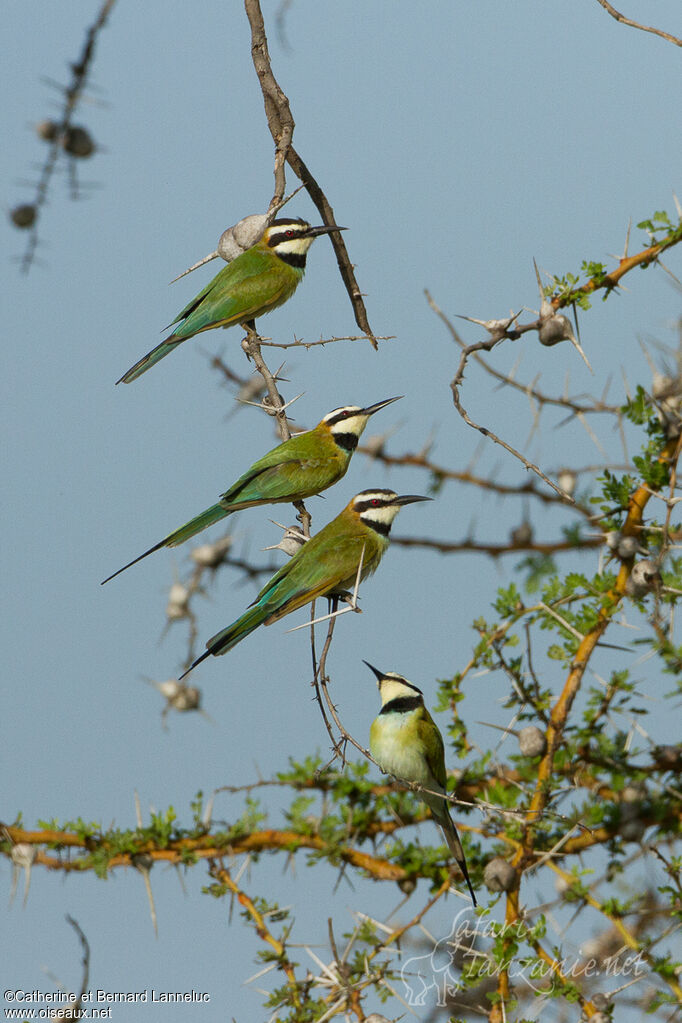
(639,410)
(436,481)
(616,491)
(595,272)
(537,568)
(508,601)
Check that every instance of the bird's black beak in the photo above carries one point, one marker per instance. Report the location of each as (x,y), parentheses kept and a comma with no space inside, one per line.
(410,499)
(324,229)
(379,674)
(371,409)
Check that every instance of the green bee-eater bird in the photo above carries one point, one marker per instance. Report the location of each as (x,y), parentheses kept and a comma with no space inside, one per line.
(405,741)
(300,467)
(326,566)
(262,278)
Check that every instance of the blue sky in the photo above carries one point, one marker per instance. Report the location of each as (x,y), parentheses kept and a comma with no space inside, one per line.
(457,142)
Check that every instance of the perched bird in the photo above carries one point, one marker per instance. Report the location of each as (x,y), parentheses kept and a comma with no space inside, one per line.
(262,278)
(326,566)
(300,467)
(405,741)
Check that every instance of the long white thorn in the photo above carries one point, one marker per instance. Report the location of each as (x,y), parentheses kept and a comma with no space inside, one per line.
(206,259)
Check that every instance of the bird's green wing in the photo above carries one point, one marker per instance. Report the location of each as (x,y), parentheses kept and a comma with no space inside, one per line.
(286,472)
(287,481)
(432,744)
(251,285)
(316,570)
(195,302)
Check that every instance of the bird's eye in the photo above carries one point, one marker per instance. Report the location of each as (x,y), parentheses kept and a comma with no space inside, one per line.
(289,234)
(375,502)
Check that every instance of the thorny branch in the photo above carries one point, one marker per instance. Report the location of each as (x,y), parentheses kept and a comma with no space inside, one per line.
(223,875)
(634,24)
(524,858)
(72,94)
(281,124)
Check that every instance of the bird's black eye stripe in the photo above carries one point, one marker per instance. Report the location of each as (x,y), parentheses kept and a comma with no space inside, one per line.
(374,502)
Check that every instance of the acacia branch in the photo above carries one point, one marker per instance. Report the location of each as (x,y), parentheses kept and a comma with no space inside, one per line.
(207,847)
(72,94)
(610,604)
(281,124)
(222,874)
(496,550)
(635,24)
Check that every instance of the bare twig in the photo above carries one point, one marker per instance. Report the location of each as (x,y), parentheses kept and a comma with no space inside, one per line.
(72,95)
(281,124)
(634,24)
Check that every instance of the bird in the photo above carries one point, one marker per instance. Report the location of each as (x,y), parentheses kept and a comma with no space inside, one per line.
(299,467)
(326,566)
(257,281)
(405,741)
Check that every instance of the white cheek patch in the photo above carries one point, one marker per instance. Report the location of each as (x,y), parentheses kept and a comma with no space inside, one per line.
(395,687)
(294,246)
(384,516)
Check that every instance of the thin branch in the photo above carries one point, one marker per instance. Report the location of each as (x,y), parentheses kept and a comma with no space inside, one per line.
(281,124)
(72,93)
(497,550)
(634,24)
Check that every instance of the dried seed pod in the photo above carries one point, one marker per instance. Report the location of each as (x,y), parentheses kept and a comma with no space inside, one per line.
(78,142)
(407,885)
(522,535)
(624,547)
(47,130)
(210,555)
(644,578)
(187,698)
(668,757)
(498,875)
(567,480)
(23,216)
(291,542)
(631,826)
(169,688)
(178,601)
(497,328)
(555,329)
(532,741)
(23,854)
(268,406)
(241,236)
(667,393)
(628,546)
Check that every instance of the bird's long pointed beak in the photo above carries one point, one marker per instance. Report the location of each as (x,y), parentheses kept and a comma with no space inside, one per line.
(379,674)
(411,498)
(371,409)
(324,229)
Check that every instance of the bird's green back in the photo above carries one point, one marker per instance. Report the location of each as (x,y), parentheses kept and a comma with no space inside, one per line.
(328,562)
(302,465)
(249,286)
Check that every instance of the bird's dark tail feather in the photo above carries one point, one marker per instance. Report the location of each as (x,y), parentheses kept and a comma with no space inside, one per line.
(233,634)
(207,518)
(156,547)
(455,847)
(150,359)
